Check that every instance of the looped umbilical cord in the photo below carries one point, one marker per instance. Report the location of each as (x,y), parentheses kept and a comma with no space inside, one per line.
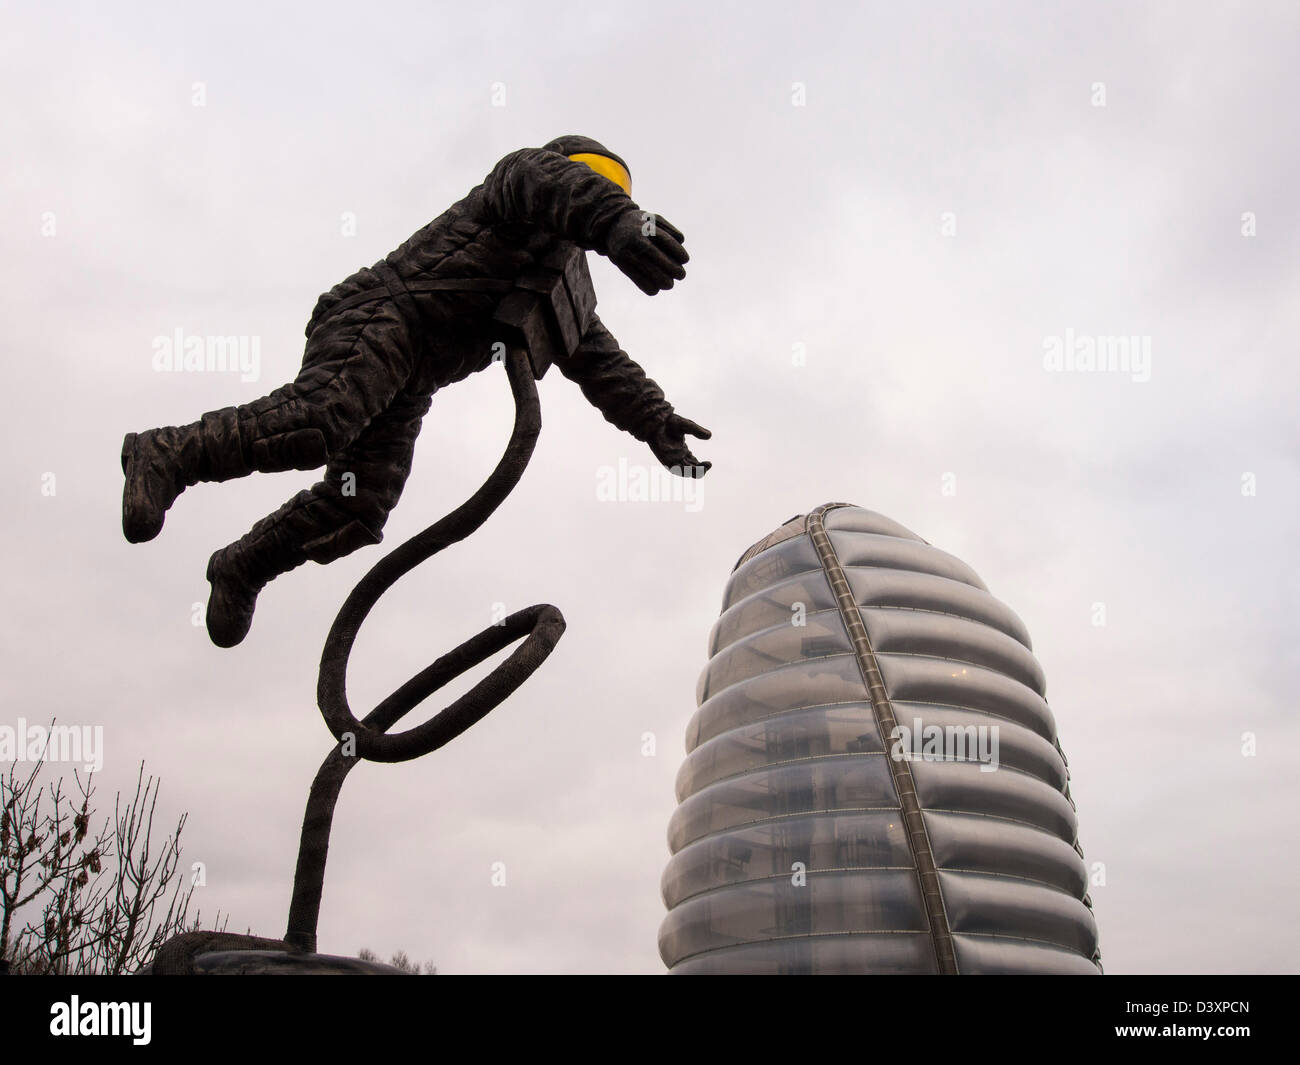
(368,739)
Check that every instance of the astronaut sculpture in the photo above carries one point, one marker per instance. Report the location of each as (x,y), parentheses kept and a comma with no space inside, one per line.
(500,275)
(505,266)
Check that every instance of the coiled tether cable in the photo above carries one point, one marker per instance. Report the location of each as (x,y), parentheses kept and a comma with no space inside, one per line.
(368,739)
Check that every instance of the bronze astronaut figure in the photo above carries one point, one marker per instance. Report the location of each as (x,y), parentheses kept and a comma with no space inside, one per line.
(506,265)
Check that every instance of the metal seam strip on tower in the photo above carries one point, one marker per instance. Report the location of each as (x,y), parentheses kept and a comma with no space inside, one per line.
(917,838)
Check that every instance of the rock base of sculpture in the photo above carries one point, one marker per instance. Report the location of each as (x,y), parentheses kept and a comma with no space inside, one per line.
(230,954)
(281,963)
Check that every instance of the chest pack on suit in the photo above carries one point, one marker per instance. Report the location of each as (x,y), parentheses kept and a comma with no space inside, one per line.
(550,307)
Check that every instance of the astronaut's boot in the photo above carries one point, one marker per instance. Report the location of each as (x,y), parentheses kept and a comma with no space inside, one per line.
(275,545)
(160,464)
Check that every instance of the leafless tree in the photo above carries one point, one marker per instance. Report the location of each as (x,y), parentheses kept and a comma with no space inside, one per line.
(401,961)
(78,900)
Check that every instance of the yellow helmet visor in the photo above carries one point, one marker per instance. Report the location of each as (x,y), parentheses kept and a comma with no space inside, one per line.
(606,167)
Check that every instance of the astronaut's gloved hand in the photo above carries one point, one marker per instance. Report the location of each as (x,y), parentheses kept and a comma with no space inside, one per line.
(668,442)
(648,249)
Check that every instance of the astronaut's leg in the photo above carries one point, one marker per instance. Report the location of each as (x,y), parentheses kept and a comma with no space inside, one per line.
(352,370)
(345,511)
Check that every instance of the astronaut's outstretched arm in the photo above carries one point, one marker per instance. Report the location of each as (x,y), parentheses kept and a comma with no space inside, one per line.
(556,194)
(616,386)
(570,200)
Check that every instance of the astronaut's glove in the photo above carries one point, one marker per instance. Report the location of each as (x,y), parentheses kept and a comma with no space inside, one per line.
(668,442)
(648,249)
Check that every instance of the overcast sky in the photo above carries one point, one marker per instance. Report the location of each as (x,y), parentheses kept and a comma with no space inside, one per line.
(916,202)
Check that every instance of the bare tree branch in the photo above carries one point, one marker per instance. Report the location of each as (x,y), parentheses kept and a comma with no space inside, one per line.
(105,900)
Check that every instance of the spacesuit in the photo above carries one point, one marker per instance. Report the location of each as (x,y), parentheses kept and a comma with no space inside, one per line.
(505,266)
